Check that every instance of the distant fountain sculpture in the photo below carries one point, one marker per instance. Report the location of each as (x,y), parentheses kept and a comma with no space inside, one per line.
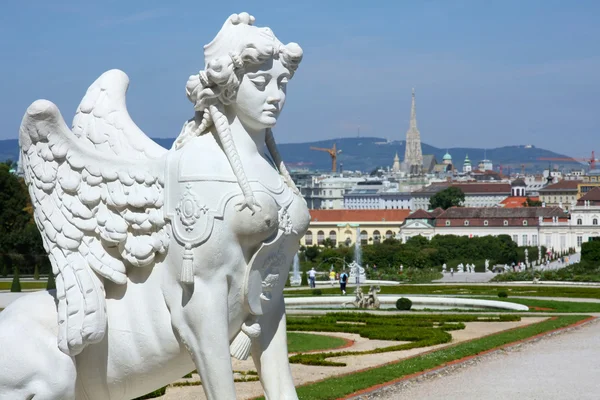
(296,278)
(369,301)
(357,272)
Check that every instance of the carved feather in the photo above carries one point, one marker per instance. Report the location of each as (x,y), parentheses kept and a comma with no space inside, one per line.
(88,187)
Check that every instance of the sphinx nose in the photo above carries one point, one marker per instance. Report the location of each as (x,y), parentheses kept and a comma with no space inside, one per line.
(273,99)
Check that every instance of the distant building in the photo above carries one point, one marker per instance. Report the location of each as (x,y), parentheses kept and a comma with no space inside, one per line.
(485,165)
(447,159)
(382,195)
(396,167)
(476,194)
(588,182)
(348,226)
(328,192)
(562,194)
(585,217)
(467,168)
(529,226)
(518,188)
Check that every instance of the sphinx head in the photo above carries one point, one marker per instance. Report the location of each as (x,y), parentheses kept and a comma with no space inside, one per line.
(246,71)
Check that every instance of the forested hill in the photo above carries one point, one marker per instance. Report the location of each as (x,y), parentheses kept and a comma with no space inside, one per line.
(369,152)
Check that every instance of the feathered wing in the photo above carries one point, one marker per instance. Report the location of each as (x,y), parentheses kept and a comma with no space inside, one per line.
(102,120)
(98,212)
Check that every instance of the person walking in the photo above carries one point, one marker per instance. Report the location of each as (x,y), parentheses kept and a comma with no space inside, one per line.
(312,276)
(332,277)
(343,281)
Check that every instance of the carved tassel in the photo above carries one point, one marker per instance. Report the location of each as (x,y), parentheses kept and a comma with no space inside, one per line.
(187,266)
(240,347)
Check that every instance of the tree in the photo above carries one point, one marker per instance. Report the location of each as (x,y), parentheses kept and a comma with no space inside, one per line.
(16,283)
(311,253)
(36,272)
(449,197)
(532,203)
(51,282)
(590,252)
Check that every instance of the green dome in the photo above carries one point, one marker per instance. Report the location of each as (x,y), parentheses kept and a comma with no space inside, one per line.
(447,156)
(467,161)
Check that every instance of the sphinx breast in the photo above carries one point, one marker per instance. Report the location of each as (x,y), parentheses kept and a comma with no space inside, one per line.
(258,225)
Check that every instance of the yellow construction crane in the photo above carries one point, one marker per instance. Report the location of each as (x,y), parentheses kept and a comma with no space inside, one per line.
(333,152)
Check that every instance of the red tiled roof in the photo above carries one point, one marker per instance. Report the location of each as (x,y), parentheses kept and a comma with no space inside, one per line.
(436,212)
(495,216)
(500,212)
(358,215)
(561,186)
(420,214)
(593,196)
(516,201)
(483,187)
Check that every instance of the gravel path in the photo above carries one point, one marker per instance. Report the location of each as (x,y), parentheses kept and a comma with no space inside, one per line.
(558,367)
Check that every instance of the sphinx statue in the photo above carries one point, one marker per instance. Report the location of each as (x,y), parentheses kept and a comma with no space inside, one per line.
(165,260)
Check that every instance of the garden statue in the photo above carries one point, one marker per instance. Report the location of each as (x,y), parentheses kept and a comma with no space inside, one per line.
(370,301)
(165,261)
(487,265)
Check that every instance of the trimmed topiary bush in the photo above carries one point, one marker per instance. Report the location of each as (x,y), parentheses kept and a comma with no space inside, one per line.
(51,285)
(16,283)
(36,272)
(304,281)
(502,294)
(403,303)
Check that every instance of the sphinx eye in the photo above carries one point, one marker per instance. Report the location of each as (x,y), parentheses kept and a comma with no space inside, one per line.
(283,81)
(259,81)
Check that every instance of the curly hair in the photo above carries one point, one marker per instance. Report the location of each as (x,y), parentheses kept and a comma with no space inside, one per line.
(210,90)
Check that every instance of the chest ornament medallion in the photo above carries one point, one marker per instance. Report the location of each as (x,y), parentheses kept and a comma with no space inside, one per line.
(189,209)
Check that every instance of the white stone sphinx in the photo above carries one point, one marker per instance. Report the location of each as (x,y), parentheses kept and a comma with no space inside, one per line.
(166,261)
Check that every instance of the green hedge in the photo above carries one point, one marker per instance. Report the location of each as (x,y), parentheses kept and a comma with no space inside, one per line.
(419,330)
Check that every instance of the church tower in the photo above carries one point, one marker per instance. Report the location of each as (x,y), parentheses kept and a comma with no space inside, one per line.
(396,165)
(413,155)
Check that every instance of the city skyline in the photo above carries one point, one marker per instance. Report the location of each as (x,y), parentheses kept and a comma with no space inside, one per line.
(503,73)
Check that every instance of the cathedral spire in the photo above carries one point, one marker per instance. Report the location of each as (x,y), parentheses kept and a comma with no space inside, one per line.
(413,111)
(413,156)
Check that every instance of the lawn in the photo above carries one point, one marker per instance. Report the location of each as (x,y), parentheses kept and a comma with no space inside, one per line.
(474,290)
(553,306)
(340,386)
(25,285)
(302,342)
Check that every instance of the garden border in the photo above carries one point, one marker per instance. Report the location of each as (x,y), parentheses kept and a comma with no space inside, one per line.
(460,361)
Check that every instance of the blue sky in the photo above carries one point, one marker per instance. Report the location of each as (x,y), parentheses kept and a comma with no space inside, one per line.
(487,73)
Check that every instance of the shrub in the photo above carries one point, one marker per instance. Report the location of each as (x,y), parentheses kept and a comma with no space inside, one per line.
(317,292)
(51,285)
(16,283)
(502,294)
(36,272)
(590,252)
(156,393)
(304,281)
(403,303)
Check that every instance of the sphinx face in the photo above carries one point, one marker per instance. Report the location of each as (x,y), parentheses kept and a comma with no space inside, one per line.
(261,94)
